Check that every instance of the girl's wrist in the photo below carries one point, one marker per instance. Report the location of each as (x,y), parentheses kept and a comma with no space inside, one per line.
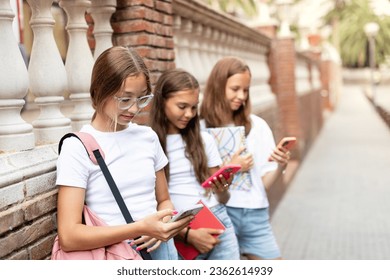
(185,239)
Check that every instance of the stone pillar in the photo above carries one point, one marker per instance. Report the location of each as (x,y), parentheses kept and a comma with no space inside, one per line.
(79,62)
(15,133)
(101,12)
(47,75)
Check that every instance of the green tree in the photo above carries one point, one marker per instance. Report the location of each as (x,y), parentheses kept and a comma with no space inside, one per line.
(348,19)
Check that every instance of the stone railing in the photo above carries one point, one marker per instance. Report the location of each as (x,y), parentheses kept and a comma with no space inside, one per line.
(60,91)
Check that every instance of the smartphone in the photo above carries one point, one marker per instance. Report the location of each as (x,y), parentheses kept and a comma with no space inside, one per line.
(192,210)
(225,171)
(287,143)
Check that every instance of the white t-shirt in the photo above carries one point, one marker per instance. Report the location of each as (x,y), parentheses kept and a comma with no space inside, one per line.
(260,143)
(133,156)
(184,188)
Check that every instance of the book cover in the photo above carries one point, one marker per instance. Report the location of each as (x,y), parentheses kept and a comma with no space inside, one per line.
(229,140)
(204,219)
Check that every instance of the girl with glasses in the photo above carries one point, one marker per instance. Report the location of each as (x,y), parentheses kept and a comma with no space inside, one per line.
(193,157)
(120,89)
(226,102)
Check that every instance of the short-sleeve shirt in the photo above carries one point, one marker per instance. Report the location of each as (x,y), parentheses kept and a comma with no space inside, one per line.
(133,156)
(184,188)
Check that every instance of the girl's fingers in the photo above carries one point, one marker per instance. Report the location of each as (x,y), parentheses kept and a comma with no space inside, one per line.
(155,246)
(147,244)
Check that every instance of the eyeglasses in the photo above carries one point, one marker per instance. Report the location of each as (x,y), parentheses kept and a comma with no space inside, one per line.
(124,103)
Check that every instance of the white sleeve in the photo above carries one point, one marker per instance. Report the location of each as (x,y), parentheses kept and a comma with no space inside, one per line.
(73,164)
(161,159)
(268,144)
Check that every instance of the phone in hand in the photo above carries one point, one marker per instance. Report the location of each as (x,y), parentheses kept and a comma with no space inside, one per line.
(225,171)
(287,143)
(185,212)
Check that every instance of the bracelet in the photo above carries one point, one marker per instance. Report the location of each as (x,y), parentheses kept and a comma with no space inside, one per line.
(186,236)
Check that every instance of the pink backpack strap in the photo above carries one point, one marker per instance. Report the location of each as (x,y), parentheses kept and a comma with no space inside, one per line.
(88,141)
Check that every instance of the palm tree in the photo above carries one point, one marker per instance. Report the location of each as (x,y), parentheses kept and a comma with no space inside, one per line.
(348,19)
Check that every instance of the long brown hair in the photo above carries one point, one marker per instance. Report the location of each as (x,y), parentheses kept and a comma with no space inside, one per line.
(215,108)
(170,82)
(110,71)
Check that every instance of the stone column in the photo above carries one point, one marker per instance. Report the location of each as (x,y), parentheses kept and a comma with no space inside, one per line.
(47,75)
(15,133)
(79,62)
(101,12)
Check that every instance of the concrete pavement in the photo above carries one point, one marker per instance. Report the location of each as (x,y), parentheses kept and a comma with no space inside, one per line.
(338,205)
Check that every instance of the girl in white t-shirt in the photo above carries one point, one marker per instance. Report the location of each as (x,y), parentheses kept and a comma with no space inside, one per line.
(193,157)
(120,88)
(226,102)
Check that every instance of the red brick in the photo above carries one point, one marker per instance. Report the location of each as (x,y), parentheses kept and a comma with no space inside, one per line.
(164,7)
(131,3)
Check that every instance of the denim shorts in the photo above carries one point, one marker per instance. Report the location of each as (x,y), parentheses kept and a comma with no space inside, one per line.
(254,232)
(166,251)
(227,249)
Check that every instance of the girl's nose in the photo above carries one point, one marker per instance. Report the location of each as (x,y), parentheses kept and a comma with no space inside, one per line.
(241,95)
(133,108)
(189,113)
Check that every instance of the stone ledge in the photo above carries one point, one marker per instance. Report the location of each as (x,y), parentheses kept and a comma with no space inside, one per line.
(20,166)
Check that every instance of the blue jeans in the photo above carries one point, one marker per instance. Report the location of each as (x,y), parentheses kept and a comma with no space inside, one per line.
(227,249)
(166,251)
(254,232)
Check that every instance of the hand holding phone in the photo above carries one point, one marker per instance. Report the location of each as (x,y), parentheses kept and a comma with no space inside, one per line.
(286,143)
(185,212)
(225,171)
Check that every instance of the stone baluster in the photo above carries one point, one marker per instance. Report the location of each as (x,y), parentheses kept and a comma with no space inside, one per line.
(236,46)
(207,33)
(205,69)
(177,40)
(226,42)
(183,36)
(15,133)
(229,50)
(47,76)
(101,12)
(79,62)
(186,26)
(221,44)
(198,69)
(215,35)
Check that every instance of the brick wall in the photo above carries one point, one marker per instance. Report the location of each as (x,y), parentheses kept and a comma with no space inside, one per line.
(28,199)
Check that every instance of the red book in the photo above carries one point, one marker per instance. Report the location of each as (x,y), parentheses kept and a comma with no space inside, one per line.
(204,219)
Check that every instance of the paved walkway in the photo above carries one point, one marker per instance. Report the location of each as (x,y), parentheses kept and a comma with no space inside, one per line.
(338,205)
